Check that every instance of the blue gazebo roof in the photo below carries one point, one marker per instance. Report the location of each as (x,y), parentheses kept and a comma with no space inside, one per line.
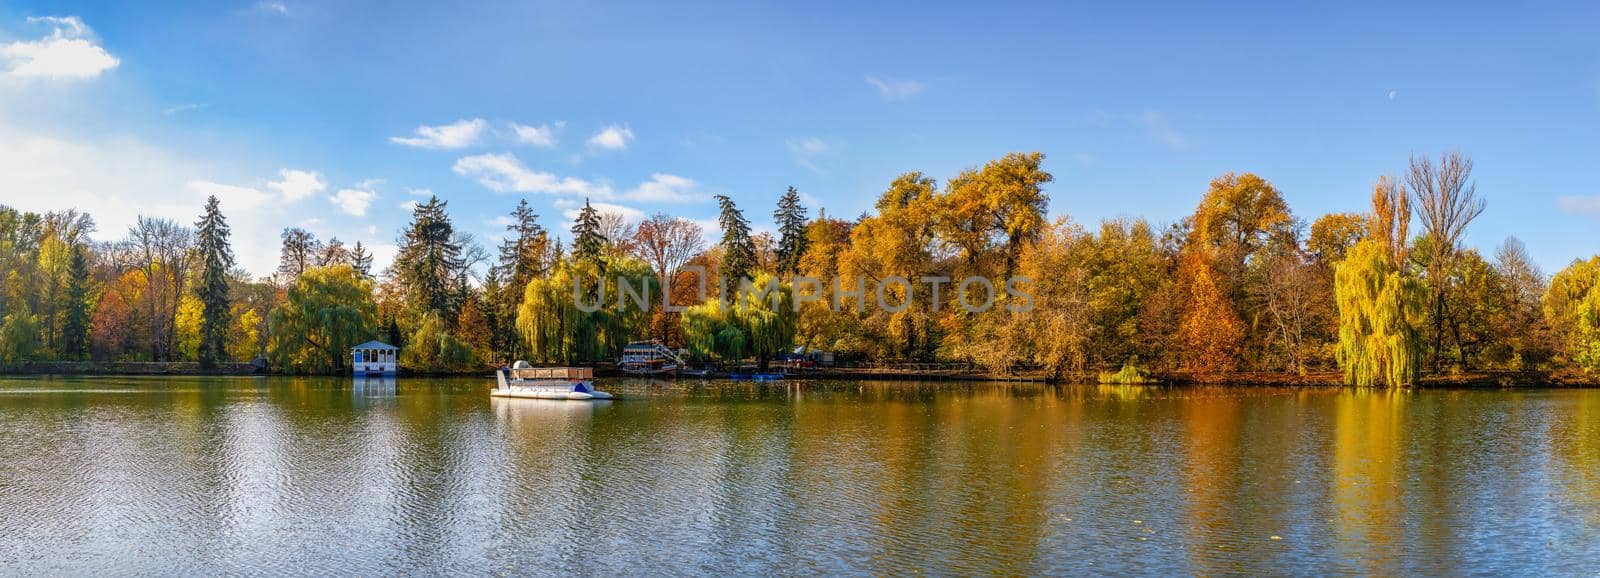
(375,344)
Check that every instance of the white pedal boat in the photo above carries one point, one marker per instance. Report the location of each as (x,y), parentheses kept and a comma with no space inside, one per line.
(528,382)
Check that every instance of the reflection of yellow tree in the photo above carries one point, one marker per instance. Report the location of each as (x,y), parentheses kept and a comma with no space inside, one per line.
(1212,434)
(1368,433)
(1575,441)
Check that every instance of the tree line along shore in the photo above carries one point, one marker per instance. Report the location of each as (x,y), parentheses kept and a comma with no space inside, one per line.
(1240,290)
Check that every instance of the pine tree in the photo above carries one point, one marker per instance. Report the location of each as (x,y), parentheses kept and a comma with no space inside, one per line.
(738,251)
(791,219)
(430,260)
(588,244)
(361,260)
(216,258)
(522,255)
(75,312)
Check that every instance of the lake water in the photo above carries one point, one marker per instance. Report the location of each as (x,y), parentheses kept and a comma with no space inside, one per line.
(316,476)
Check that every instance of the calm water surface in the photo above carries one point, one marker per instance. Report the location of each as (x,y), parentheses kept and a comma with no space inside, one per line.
(316,476)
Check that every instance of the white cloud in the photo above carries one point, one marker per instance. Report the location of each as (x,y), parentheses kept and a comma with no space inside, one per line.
(456,135)
(117,178)
(809,146)
(543,136)
(503,173)
(808,150)
(1574,205)
(234,196)
(891,89)
(409,205)
(1162,131)
(614,137)
(297,184)
(353,201)
(665,188)
(272,7)
(171,110)
(68,52)
(420,192)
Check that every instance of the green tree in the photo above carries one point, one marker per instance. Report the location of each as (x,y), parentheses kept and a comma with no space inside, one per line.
(429,265)
(75,309)
(791,220)
(557,329)
(216,258)
(588,243)
(738,251)
(431,348)
(328,311)
(19,337)
(361,260)
(759,321)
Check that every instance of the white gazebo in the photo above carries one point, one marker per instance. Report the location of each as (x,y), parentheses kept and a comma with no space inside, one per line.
(374,358)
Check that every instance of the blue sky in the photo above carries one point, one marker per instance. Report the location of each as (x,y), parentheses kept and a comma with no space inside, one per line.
(333,115)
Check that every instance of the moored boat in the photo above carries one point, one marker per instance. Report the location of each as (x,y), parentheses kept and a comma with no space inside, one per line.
(649,358)
(525,381)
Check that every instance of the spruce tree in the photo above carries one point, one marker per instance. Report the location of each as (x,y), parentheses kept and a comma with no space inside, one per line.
(738,251)
(587,242)
(216,258)
(361,260)
(430,260)
(522,254)
(75,312)
(791,219)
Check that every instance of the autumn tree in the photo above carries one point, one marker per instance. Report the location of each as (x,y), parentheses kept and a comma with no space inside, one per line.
(1379,300)
(1572,309)
(1526,332)
(1209,330)
(1333,235)
(667,243)
(162,248)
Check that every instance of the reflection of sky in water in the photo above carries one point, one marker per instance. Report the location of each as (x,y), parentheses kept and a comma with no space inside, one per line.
(312,476)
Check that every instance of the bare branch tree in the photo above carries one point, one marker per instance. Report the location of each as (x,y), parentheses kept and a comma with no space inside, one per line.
(1447,201)
(668,242)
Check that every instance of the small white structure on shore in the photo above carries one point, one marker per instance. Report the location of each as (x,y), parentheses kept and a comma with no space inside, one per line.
(374,358)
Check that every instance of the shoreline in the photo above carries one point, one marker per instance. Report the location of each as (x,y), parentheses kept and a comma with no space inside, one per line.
(1469,380)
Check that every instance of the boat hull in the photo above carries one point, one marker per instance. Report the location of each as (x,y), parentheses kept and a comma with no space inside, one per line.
(549,394)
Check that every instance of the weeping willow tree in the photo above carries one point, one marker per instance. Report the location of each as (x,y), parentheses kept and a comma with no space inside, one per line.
(1380,304)
(432,348)
(328,311)
(759,321)
(1572,309)
(1379,309)
(555,326)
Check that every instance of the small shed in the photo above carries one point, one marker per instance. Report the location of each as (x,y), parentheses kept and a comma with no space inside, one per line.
(374,358)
